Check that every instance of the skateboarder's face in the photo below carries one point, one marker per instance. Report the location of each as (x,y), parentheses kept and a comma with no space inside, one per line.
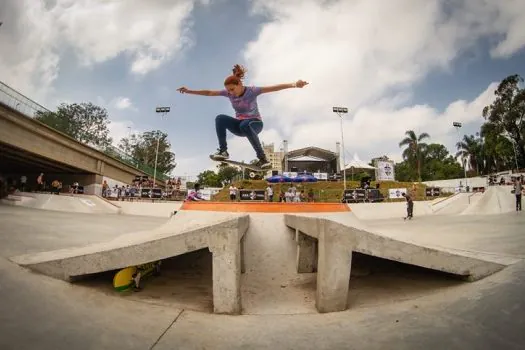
(235,90)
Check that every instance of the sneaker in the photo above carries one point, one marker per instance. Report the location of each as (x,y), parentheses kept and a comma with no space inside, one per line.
(263,164)
(220,155)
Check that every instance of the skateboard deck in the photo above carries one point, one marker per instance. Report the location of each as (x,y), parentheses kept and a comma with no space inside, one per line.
(241,164)
(131,276)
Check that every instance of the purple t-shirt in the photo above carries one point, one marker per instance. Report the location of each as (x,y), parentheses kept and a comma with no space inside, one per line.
(245,106)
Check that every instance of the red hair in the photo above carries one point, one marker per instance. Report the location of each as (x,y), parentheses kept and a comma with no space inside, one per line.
(237,76)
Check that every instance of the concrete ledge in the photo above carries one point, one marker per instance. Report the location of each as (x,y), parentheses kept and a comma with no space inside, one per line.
(339,235)
(185,232)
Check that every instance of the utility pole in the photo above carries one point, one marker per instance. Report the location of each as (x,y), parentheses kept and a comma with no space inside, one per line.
(163,111)
(339,111)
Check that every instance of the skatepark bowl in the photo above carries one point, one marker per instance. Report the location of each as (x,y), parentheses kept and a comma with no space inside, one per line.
(303,266)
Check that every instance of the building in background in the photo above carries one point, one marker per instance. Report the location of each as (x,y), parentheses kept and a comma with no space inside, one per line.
(312,160)
(276,158)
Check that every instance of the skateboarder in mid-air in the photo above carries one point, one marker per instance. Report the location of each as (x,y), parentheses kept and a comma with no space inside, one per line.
(248,121)
(410,206)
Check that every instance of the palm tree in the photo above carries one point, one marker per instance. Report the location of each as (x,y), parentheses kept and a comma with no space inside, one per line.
(415,149)
(469,150)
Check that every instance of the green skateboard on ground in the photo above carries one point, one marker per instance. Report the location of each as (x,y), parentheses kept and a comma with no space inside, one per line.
(130,277)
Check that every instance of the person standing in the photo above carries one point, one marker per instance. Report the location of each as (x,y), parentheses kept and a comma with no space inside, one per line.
(269,193)
(518,189)
(410,206)
(233,192)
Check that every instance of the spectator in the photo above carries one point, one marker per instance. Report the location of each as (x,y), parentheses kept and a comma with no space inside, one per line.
(233,192)
(40,182)
(311,195)
(195,194)
(23,183)
(269,193)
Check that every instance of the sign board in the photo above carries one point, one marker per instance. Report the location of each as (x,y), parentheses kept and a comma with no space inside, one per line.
(251,195)
(150,193)
(320,176)
(432,192)
(385,170)
(290,174)
(354,195)
(395,193)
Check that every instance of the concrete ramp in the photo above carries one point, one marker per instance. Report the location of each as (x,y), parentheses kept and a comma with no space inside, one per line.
(495,200)
(328,242)
(63,202)
(185,232)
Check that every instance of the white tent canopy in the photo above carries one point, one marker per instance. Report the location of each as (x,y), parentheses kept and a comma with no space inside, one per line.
(356,163)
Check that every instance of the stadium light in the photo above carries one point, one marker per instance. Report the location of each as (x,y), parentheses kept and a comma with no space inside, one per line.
(163,111)
(339,111)
(458,125)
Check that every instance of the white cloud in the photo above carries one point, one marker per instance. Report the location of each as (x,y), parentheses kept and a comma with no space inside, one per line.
(123,103)
(36,34)
(121,129)
(367,55)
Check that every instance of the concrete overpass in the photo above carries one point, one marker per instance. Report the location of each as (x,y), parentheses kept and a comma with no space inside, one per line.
(29,147)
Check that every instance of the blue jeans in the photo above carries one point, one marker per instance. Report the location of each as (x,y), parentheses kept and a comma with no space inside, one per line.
(249,128)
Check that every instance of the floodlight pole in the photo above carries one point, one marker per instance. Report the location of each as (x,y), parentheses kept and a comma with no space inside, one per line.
(163,111)
(458,125)
(339,111)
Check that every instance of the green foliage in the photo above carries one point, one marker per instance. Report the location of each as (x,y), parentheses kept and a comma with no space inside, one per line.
(227,173)
(209,178)
(506,115)
(415,149)
(85,122)
(143,148)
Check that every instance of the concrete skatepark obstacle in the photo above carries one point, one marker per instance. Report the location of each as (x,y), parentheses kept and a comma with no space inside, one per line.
(184,232)
(487,313)
(329,242)
(326,235)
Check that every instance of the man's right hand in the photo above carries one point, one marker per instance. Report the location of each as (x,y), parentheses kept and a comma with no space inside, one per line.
(182,90)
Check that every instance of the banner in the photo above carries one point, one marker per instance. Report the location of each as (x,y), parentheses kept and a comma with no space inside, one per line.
(251,195)
(385,170)
(290,174)
(150,193)
(320,176)
(395,193)
(354,195)
(432,191)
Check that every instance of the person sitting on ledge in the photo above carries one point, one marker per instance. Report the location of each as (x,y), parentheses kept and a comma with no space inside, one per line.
(195,194)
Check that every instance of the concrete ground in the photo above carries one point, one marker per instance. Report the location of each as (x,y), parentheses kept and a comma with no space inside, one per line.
(39,312)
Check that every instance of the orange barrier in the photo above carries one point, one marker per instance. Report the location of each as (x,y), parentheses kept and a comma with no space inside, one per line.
(265,207)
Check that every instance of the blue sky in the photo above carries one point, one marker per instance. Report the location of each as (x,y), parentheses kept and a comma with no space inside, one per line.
(397,66)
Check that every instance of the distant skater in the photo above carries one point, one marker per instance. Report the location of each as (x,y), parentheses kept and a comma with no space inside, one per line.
(518,189)
(410,206)
(248,121)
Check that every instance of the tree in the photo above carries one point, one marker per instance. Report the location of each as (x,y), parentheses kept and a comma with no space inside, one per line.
(227,173)
(209,178)
(143,148)
(506,115)
(415,149)
(439,164)
(85,122)
(469,149)
(497,150)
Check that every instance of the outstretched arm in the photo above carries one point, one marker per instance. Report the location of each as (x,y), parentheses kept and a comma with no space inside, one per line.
(184,90)
(298,84)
